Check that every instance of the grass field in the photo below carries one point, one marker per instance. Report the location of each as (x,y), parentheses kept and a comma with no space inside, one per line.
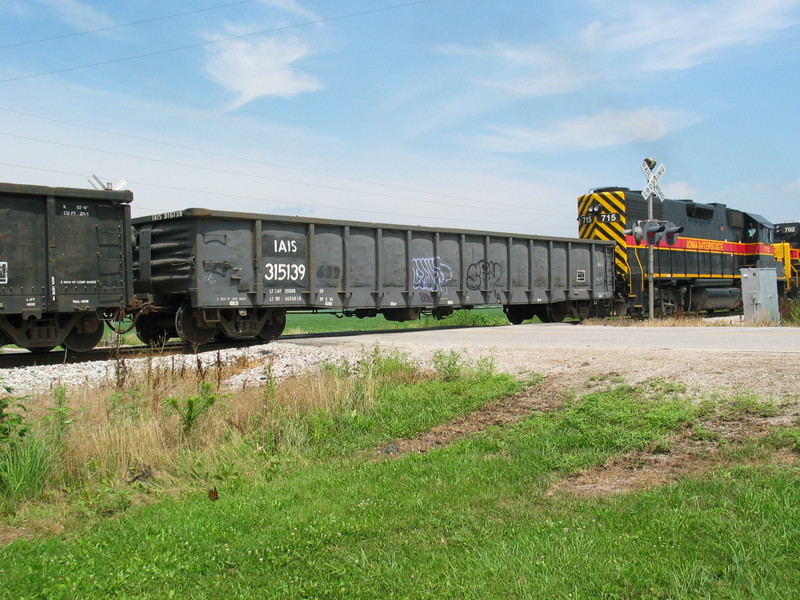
(316,500)
(319,323)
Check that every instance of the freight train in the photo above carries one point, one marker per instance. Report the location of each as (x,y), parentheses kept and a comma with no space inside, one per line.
(73,260)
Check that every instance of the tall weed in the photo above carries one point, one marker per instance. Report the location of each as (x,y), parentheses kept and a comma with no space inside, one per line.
(27,459)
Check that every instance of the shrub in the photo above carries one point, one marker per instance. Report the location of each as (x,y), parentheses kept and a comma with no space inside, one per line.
(191,408)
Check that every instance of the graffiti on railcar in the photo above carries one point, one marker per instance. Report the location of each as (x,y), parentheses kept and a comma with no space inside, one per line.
(485,276)
(431,274)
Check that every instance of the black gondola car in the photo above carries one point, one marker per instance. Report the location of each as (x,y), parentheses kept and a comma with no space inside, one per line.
(214,274)
(65,265)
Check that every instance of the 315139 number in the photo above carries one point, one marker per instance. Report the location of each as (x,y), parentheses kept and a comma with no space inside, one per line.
(284,272)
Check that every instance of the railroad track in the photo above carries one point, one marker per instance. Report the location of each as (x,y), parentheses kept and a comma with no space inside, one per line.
(12,358)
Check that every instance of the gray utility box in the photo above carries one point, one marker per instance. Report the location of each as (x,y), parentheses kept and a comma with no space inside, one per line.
(760,295)
(221,260)
(63,253)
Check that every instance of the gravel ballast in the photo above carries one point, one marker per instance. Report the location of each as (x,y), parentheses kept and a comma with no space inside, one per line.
(771,375)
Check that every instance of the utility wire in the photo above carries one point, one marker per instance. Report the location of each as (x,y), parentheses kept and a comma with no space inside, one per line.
(359,210)
(477,201)
(264,177)
(213,42)
(132,23)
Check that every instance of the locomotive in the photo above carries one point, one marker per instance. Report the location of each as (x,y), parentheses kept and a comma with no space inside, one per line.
(73,261)
(698,250)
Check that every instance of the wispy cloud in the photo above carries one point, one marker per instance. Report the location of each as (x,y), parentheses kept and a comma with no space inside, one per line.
(629,40)
(262,67)
(292,7)
(255,67)
(603,129)
(78,15)
(527,71)
(682,35)
(793,187)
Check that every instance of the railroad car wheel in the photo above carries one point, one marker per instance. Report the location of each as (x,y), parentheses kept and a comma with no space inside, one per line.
(83,341)
(556,312)
(274,326)
(150,332)
(188,329)
(516,314)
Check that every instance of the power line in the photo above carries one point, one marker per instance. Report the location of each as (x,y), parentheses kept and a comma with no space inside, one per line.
(359,210)
(477,201)
(132,23)
(213,42)
(261,177)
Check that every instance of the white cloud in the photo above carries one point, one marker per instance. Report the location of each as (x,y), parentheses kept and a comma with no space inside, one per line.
(680,189)
(15,8)
(263,67)
(600,130)
(793,187)
(293,7)
(527,71)
(78,15)
(682,35)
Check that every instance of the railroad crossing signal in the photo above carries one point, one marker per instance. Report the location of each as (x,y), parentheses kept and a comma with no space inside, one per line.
(652,178)
(671,232)
(652,232)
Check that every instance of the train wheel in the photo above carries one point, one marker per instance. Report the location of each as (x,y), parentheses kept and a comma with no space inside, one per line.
(556,312)
(274,327)
(188,329)
(541,311)
(150,332)
(83,341)
(518,313)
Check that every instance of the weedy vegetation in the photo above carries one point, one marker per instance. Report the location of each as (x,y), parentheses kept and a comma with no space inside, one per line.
(313,502)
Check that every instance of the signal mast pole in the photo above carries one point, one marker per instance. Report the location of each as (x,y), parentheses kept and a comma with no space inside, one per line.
(652,188)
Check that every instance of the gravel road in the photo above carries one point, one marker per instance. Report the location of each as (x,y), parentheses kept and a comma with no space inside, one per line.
(702,357)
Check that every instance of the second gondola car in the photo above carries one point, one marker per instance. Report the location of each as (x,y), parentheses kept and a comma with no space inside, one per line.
(214,274)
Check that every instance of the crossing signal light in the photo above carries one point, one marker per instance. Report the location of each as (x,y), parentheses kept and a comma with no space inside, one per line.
(653,231)
(671,232)
(636,231)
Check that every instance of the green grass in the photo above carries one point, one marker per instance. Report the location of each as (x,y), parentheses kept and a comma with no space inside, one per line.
(475,519)
(297,323)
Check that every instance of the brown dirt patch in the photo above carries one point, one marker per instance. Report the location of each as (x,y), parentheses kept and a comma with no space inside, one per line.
(9,534)
(544,396)
(687,452)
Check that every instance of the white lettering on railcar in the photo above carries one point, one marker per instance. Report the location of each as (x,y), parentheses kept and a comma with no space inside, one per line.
(284,246)
(3,272)
(284,272)
(167,215)
(80,210)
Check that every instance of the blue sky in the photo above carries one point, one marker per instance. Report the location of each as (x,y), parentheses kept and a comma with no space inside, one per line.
(474,114)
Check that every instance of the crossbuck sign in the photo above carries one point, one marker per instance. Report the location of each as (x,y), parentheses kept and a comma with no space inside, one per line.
(652,180)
